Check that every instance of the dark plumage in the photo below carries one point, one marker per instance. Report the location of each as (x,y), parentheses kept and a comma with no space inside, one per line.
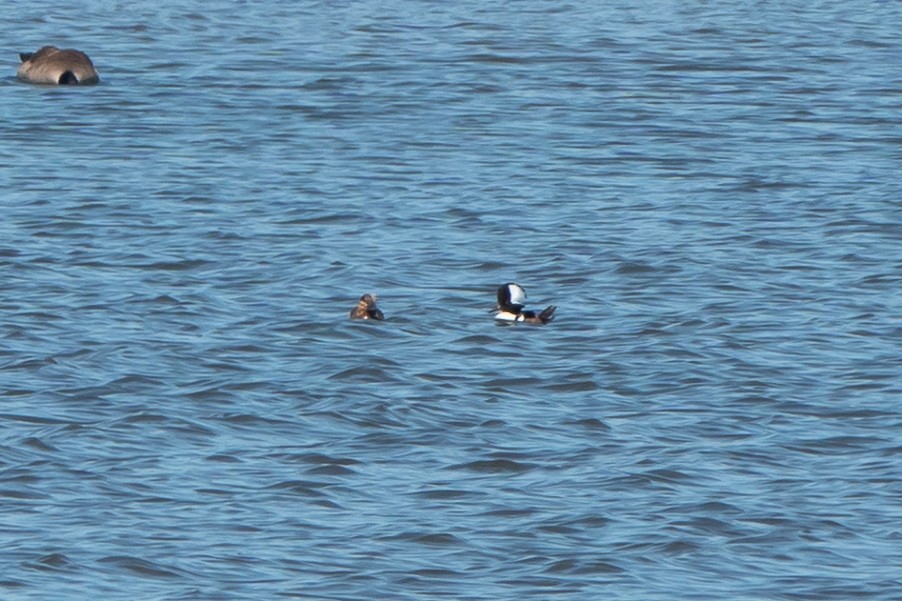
(366,308)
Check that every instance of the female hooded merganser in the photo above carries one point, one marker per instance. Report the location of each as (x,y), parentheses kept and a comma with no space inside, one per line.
(366,308)
(50,65)
(511,300)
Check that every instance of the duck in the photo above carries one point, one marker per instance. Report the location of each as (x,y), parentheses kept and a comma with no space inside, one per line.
(512,299)
(50,65)
(366,308)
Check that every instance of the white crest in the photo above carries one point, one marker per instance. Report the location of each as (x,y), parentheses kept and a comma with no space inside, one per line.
(517,294)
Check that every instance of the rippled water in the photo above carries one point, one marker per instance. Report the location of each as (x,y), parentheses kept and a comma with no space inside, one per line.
(708,191)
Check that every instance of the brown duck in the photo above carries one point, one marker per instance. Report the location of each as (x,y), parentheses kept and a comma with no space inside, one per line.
(366,308)
(50,65)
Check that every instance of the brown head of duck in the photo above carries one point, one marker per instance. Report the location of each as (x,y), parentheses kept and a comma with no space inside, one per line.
(53,66)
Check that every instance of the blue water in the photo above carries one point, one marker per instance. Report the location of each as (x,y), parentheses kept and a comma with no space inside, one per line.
(709,192)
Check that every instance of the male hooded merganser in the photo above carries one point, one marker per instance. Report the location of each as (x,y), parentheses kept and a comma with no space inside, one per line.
(50,65)
(511,300)
(366,308)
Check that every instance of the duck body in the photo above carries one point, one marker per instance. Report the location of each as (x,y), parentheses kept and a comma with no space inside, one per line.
(511,303)
(366,308)
(53,66)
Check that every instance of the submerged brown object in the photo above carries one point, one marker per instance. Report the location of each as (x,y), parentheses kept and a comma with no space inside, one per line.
(50,65)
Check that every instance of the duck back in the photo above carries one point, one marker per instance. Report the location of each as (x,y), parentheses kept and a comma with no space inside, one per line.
(53,66)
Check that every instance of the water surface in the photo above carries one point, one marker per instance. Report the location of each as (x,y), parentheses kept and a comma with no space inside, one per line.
(709,193)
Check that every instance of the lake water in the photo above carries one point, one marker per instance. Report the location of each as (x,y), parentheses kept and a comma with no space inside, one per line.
(708,191)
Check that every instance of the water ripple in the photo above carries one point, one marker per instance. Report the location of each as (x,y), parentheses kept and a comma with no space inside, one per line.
(707,193)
